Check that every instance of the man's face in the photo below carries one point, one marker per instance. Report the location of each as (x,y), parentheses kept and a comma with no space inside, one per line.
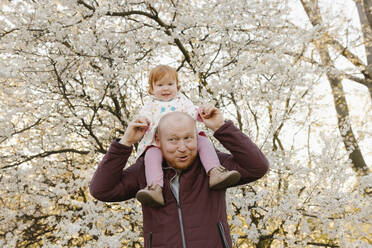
(178,142)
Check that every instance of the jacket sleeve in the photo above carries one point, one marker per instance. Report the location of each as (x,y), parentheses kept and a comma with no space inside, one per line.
(110,183)
(245,157)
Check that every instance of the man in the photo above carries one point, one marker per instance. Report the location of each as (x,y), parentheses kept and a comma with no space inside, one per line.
(194,216)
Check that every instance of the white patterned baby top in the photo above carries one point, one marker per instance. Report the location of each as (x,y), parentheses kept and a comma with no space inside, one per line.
(154,109)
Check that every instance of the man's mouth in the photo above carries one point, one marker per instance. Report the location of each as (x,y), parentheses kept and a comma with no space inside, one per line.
(183,158)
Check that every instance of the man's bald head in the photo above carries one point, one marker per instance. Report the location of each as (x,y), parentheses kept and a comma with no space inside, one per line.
(174,118)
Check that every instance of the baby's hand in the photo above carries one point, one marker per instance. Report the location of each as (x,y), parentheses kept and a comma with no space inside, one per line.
(212,117)
(148,127)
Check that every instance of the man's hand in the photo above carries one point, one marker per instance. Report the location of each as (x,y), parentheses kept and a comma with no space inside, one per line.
(211,116)
(135,131)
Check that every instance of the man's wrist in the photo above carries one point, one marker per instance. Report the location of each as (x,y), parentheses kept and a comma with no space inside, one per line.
(216,127)
(123,141)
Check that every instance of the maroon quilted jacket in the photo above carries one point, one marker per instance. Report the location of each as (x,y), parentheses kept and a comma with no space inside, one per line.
(199,219)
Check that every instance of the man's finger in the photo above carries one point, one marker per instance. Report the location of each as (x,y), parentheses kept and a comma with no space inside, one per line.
(212,111)
(140,125)
(143,120)
(209,111)
(204,109)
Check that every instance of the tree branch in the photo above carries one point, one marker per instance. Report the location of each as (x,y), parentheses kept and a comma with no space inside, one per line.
(22,130)
(344,51)
(45,154)
(86,5)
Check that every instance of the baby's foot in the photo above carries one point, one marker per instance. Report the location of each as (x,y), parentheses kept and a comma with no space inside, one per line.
(151,196)
(221,178)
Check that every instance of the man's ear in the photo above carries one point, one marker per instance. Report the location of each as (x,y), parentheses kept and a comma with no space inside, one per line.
(157,141)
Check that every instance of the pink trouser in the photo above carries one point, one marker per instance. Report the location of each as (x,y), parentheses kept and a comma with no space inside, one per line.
(154,159)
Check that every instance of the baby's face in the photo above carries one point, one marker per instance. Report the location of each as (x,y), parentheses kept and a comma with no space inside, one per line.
(165,89)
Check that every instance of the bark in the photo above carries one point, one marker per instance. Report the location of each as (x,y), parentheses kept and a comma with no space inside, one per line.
(365,16)
(343,118)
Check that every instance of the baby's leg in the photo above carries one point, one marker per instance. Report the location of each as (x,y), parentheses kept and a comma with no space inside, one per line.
(207,153)
(153,170)
(219,177)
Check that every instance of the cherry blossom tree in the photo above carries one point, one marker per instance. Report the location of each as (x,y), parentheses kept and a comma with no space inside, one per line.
(73,74)
(335,80)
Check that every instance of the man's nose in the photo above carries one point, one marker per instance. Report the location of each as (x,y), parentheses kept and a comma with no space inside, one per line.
(181,146)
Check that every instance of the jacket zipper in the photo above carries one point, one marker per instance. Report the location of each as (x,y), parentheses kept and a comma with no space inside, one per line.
(222,234)
(179,209)
(150,239)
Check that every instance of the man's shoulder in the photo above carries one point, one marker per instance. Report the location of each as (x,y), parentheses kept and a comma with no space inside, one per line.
(222,154)
(226,159)
(137,170)
(136,167)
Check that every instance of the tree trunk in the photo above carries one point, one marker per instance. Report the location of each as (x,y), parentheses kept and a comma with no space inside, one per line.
(343,119)
(365,17)
(342,110)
